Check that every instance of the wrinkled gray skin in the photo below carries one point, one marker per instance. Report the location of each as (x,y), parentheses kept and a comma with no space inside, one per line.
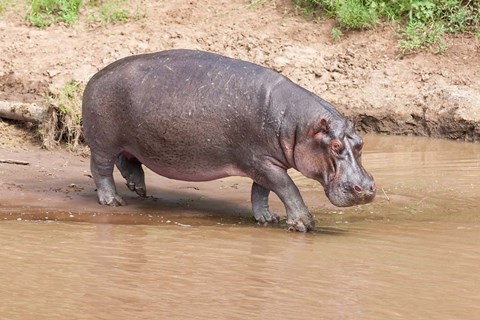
(197,116)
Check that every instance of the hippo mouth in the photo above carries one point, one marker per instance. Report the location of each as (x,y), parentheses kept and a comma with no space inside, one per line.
(346,194)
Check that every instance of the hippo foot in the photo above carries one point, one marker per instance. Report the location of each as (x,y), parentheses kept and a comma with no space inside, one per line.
(266,218)
(302,223)
(140,190)
(131,169)
(111,200)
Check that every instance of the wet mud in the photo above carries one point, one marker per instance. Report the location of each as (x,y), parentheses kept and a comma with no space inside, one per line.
(417,178)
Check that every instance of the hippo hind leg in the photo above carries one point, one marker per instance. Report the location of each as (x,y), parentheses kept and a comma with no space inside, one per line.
(131,169)
(260,207)
(102,172)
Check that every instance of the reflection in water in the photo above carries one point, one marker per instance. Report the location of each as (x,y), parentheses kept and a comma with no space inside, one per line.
(419,260)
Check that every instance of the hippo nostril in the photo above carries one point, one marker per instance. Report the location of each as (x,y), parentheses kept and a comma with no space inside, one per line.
(357,188)
(373,188)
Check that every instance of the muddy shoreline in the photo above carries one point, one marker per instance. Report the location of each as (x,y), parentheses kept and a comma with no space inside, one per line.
(417,178)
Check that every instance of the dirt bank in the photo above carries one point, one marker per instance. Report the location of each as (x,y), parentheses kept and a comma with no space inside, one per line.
(363,75)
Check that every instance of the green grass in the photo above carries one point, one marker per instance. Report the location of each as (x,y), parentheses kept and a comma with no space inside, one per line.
(111,14)
(112,11)
(337,34)
(252,4)
(44,13)
(417,35)
(424,22)
(352,14)
(3,5)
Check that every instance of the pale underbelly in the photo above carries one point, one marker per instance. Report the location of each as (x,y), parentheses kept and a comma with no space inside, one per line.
(202,174)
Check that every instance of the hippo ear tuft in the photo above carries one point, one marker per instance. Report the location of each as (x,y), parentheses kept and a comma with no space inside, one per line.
(324,126)
(319,128)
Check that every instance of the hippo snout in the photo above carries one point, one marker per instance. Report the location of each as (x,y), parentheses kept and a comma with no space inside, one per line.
(351,193)
(363,193)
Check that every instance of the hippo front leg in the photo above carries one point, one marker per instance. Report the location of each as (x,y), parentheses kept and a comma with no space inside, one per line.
(276,179)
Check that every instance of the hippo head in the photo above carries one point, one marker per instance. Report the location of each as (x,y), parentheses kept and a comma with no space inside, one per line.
(330,152)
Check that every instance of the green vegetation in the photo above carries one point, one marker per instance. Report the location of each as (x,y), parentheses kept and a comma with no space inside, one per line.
(417,35)
(424,23)
(252,4)
(65,122)
(112,11)
(337,34)
(44,13)
(3,5)
(352,14)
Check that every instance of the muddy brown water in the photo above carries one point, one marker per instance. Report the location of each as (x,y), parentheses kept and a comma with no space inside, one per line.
(412,254)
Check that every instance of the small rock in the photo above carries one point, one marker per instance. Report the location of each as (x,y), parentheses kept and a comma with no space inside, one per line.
(182,225)
(280,62)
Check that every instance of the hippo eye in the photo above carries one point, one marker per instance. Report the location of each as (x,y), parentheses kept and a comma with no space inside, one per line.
(336,146)
(356,143)
(359,145)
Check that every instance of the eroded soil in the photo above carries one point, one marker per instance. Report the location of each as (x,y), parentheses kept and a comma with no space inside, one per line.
(363,74)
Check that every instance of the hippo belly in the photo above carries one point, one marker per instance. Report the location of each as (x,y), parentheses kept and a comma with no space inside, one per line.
(187,173)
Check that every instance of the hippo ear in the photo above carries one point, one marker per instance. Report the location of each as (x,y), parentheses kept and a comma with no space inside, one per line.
(320,128)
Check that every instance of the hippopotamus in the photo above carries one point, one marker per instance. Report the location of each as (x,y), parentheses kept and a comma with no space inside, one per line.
(198,116)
